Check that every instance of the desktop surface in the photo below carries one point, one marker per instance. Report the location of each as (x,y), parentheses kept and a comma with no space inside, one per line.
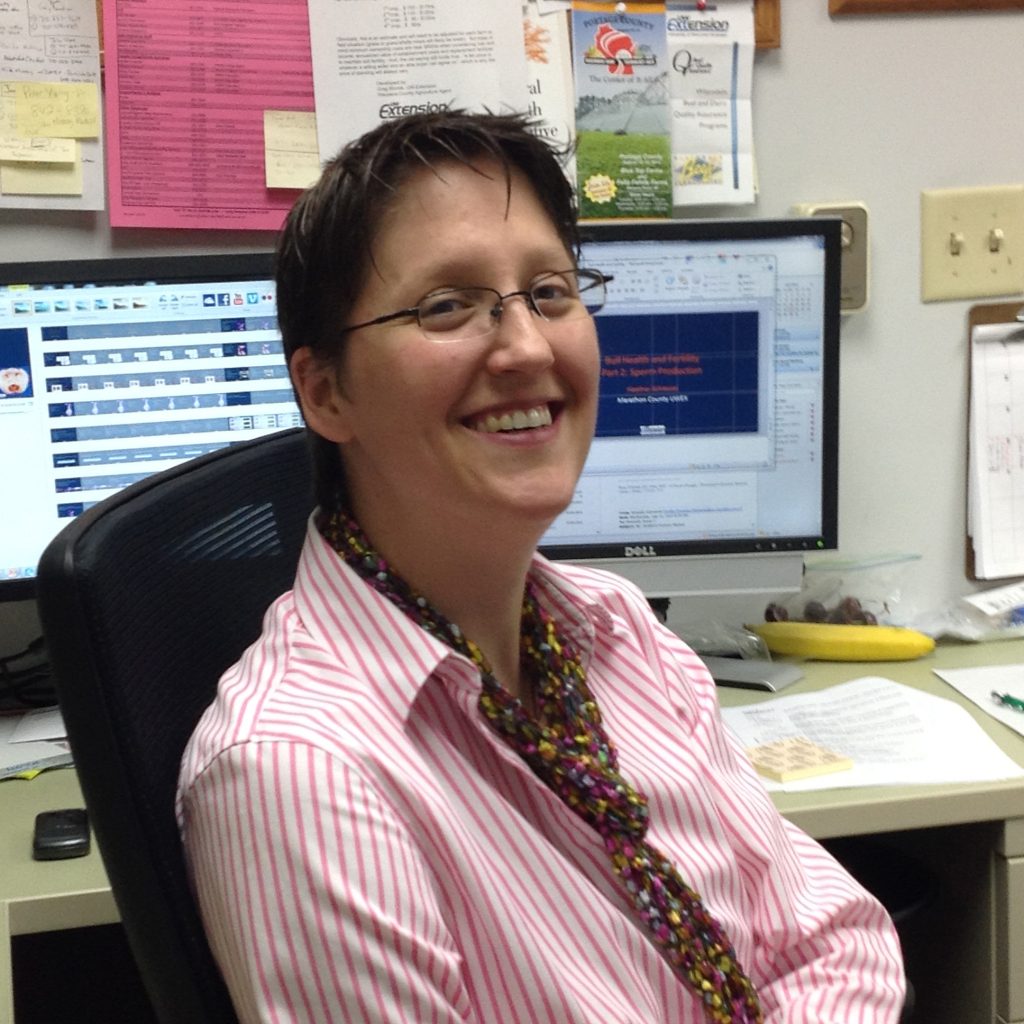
(866,809)
(46,895)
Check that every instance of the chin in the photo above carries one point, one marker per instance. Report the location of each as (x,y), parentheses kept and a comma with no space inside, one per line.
(539,513)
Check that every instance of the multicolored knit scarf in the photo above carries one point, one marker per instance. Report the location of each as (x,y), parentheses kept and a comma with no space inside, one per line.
(565,745)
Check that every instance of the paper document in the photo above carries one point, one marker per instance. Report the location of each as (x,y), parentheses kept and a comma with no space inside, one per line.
(51,156)
(711,85)
(27,742)
(894,735)
(39,724)
(186,91)
(375,61)
(996,460)
(977,684)
(549,69)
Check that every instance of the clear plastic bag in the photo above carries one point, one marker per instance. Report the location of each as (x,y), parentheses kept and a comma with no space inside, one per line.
(856,592)
(996,614)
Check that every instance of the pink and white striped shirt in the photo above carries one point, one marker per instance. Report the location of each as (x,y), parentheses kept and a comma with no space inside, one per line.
(366,849)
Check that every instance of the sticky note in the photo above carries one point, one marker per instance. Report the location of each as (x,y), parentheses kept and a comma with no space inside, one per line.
(41,179)
(38,149)
(63,110)
(291,151)
(7,122)
(796,758)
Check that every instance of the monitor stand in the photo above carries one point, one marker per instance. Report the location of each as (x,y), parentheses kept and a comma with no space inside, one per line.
(752,673)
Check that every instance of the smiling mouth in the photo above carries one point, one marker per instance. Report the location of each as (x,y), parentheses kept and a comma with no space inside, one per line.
(520,419)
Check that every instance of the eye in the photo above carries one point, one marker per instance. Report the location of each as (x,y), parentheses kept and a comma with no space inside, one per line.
(555,294)
(448,309)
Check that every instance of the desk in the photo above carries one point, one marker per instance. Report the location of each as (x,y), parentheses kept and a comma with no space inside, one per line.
(45,896)
(969,953)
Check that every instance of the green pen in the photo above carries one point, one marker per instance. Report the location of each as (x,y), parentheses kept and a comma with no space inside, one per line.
(1009,701)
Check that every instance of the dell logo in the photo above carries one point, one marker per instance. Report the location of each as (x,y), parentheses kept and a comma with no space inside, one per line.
(640,551)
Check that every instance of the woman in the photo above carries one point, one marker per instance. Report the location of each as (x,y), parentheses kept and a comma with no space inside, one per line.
(453,781)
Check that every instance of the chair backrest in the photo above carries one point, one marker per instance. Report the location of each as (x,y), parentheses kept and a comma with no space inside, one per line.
(145,599)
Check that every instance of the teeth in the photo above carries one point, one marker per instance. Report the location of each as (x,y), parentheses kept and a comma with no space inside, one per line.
(538,416)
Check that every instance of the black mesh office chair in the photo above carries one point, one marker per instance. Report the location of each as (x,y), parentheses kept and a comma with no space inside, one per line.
(145,599)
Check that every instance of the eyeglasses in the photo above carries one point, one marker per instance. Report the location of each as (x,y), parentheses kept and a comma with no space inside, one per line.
(454,314)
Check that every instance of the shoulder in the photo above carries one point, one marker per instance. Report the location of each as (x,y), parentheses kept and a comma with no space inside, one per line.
(287,687)
(602,595)
(627,637)
(588,583)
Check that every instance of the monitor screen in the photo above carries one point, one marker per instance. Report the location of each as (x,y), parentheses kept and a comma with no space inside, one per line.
(714,465)
(113,369)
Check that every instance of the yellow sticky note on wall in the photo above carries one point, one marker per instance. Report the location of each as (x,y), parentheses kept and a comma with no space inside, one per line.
(291,150)
(42,179)
(38,149)
(62,110)
(7,122)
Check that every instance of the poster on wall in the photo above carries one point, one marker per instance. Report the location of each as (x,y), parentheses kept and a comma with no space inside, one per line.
(623,157)
(711,53)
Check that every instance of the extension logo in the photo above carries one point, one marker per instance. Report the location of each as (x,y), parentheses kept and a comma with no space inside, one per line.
(617,51)
(687,63)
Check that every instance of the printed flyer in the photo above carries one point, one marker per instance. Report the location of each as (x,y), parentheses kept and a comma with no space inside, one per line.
(549,67)
(623,157)
(712,60)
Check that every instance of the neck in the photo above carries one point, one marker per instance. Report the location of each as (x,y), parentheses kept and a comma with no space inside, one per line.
(474,582)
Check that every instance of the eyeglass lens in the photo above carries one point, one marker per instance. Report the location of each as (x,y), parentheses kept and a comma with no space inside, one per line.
(469,312)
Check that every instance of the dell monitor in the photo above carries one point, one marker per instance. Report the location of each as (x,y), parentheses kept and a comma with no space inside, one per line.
(713,469)
(714,464)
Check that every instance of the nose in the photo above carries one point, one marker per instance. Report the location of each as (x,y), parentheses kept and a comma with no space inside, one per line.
(519,344)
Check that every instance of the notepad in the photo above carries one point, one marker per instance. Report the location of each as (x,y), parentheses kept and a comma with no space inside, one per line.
(796,758)
(996,459)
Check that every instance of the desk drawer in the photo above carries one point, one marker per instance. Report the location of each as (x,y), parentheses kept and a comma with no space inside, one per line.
(1010,937)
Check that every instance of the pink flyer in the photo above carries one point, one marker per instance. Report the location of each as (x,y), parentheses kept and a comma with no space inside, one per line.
(186,88)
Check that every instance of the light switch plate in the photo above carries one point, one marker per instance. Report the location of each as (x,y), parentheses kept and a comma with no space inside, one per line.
(972,242)
(854,262)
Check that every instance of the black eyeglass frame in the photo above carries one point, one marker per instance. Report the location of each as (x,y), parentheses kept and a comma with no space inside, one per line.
(595,276)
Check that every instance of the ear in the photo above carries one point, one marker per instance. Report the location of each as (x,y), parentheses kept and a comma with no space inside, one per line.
(324,407)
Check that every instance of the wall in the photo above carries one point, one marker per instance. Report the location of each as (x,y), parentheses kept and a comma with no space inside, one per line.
(876,108)
(870,108)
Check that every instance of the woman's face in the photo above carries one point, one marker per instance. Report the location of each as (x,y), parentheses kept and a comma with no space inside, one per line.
(424,426)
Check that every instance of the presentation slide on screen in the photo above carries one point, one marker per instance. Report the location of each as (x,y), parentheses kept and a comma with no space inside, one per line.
(669,375)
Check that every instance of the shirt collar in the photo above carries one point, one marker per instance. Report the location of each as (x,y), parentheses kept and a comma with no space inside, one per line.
(344,614)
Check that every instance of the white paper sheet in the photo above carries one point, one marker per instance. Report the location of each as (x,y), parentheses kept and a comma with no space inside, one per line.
(977,684)
(996,460)
(894,734)
(374,60)
(39,724)
(549,77)
(27,755)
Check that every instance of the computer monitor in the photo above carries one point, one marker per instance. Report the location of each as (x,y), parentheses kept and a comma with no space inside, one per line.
(714,466)
(112,369)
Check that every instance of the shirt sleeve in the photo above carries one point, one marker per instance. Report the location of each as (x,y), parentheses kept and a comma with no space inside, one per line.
(313,894)
(825,949)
